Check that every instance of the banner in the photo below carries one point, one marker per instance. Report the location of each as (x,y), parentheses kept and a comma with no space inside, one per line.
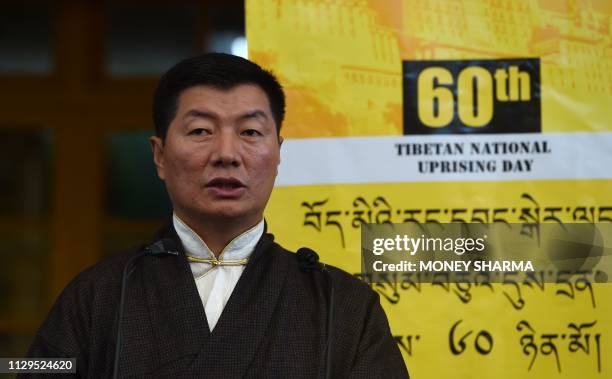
(467,111)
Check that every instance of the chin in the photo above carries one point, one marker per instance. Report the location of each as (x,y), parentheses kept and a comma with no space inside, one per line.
(225,213)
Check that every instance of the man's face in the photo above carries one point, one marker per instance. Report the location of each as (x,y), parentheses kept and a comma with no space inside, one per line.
(221,154)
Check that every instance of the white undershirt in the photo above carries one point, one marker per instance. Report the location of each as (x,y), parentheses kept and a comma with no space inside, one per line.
(216,282)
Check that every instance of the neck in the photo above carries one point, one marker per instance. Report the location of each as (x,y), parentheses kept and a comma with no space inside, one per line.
(217,234)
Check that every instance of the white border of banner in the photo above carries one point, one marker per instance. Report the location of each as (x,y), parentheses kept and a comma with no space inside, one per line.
(350,160)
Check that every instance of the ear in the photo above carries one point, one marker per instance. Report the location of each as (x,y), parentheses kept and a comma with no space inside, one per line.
(280,144)
(157,147)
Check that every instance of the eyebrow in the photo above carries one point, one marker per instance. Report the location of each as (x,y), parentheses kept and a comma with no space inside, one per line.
(213,116)
(202,114)
(254,114)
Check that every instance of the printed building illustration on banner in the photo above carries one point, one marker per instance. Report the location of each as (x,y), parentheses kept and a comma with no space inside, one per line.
(351,87)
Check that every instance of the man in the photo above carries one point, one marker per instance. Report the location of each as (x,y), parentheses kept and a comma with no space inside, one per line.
(213,295)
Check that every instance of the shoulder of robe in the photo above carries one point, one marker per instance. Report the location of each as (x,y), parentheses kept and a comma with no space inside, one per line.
(80,308)
(347,285)
(106,272)
(95,285)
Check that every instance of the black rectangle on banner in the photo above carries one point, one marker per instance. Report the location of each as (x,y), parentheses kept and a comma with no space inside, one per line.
(472,96)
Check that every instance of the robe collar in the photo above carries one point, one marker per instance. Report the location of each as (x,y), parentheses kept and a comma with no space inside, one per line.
(237,251)
(179,319)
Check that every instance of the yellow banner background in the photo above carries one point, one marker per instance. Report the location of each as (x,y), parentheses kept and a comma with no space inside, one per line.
(340,62)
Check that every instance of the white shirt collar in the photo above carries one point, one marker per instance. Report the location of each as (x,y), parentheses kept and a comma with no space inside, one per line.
(240,247)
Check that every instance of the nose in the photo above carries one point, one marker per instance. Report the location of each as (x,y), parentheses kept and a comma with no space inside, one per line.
(225,151)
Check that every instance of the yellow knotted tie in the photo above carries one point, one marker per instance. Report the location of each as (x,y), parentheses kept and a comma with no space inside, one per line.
(215,262)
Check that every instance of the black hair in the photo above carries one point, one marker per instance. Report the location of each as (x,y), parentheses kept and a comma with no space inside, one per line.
(218,70)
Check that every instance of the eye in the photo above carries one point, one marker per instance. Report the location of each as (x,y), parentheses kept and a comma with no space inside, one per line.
(199,132)
(251,133)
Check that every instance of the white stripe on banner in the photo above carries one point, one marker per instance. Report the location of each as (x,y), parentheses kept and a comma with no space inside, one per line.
(436,158)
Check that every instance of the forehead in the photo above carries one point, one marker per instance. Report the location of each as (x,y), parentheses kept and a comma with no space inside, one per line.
(237,99)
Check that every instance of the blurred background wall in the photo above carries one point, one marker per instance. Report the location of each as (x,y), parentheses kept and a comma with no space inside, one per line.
(76,178)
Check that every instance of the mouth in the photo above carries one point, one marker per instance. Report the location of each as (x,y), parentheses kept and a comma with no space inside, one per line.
(225,183)
(226,187)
